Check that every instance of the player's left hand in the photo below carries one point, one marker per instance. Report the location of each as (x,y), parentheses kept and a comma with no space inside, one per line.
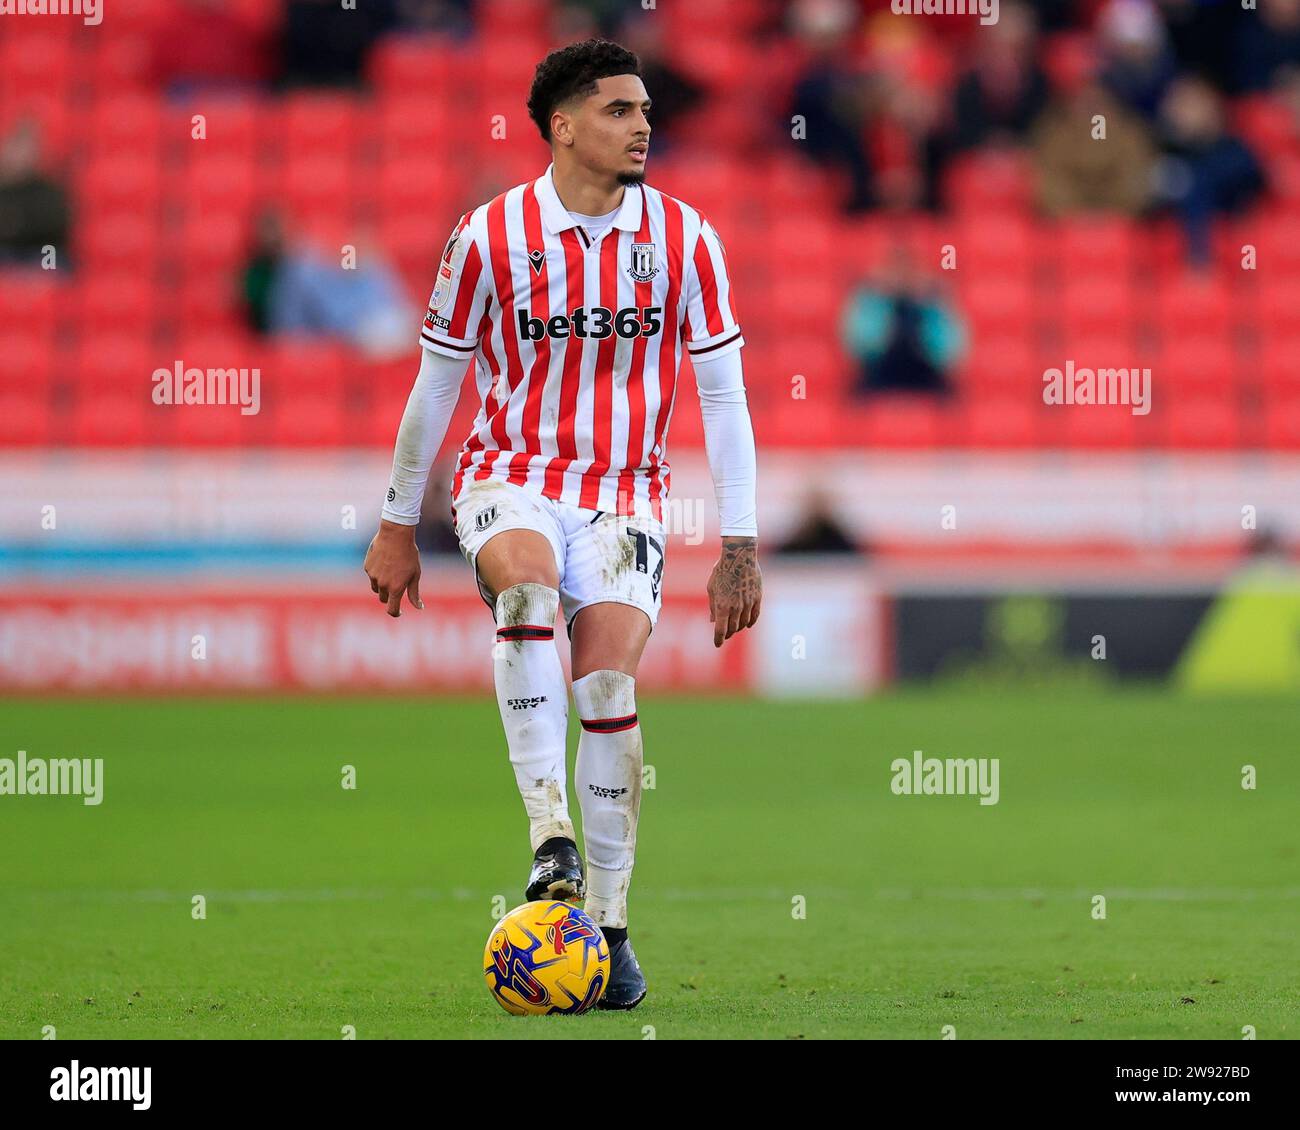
(735,588)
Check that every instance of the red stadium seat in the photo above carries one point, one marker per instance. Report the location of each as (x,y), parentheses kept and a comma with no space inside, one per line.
(1162,249)
(318,186)
(1194,307)
(997,307)
(1279,308)
(388,379)
(411,184)
(121,241)
(25,419)
(377,427)
(1277,242)
(123,302)
(311,423)
(1098,247)
(126,124)
(819,360)
(237,127)
(1091,306)
(816,422)
(415,241)
(900,421)
(1281,422)
(212,425)
(1279,367)
(141,15)
(411,125)
(27,363)
(1187,367)
(1266,122)
(1200,422)
(1001,422)
(319,124)
(996,246)
(1096,427)
(297,371)
(117,182)
(1007,364)
(206,303)
(41,58)
(800,239)
(30,301)
(218,182)
(985,182)
(111,420)
(213,243)
(808,305)
(119,362)
(795,187)
(412,65)
(121,63)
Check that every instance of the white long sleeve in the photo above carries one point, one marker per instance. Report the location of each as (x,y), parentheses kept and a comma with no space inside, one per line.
(729,442)
(424,425)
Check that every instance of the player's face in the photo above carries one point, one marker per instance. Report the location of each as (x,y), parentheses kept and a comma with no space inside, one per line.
(612,129)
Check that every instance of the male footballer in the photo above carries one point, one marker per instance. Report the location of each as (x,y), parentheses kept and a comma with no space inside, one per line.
(575,295)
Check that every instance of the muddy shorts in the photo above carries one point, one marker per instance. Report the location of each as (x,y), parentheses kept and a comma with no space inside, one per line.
(601,557)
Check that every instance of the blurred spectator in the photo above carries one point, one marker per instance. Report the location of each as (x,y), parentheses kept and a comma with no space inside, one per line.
(261,270)
(434,533)
(999,97)
(1206,171)
(672,91)
(33,206)
(1079,173)
(311,293)
(210,43)
(587,18)
(326,44)
(902,331)
(454,17)
(1137,63)
(1202,36)
(1267,44)
(818,531)
(907,148)
(830,96)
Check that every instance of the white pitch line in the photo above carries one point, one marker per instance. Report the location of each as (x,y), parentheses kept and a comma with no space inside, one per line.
(677,894)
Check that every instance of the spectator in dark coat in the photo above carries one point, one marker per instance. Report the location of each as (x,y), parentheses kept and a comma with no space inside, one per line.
(33,206)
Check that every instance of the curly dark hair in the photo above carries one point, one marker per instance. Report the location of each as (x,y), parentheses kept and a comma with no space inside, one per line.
(574,70)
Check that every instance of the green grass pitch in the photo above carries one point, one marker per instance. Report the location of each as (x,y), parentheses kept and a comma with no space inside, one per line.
(370,908)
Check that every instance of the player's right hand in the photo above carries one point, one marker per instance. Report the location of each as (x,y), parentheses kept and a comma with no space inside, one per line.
(393,566)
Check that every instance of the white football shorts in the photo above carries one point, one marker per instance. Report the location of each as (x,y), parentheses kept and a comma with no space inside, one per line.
(601,557)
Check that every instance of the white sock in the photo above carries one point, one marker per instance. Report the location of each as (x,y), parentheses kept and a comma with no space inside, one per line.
(534,705)
(608,777)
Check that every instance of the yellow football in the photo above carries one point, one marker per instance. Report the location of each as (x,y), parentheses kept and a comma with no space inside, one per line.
(546,957)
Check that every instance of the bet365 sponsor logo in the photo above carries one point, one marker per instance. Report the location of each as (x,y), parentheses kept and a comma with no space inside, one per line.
(594,322)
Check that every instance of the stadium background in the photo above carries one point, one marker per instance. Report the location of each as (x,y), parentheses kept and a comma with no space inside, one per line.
(1012,562)
(420,114)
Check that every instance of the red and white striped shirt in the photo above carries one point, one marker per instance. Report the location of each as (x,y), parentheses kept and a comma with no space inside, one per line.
(577,343)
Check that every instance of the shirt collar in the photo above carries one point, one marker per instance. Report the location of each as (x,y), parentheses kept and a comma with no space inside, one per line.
(557,217)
